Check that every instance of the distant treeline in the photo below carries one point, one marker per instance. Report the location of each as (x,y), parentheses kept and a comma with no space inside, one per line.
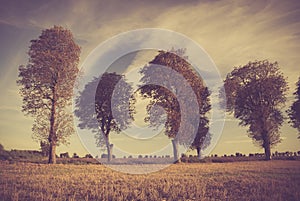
(214,158)
(275,154)
(39,157)
(20,155)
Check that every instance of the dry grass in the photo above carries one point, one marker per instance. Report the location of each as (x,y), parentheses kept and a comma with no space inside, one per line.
(261,180)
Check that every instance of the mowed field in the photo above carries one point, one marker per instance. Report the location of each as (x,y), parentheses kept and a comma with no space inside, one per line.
(260,180)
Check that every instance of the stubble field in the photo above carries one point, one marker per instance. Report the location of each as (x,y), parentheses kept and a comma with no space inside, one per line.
(260,180)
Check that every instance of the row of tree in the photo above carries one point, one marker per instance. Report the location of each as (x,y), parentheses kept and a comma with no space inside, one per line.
(193,121)
(255,93)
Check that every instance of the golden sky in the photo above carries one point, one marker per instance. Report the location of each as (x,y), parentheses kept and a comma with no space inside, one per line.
(231,32)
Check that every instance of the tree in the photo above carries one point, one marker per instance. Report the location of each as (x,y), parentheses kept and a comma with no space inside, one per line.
(47,83)
(202,140)
(64,155)
(44,148)
(88,156)
(4,155)
(256,93)
(294,111)
(168,95)
(1,148)
(75,155)
(105,105)
(203,137)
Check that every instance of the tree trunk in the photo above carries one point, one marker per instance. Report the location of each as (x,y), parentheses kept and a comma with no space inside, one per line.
(52,154)
(109,148)
(199,152)
(266,145)
(109,152)
(267,151)
(52,133)
(175,151)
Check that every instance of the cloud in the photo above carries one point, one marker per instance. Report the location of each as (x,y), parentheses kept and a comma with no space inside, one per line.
(234,33)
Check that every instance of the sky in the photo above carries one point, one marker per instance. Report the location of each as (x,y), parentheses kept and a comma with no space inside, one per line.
(231,32)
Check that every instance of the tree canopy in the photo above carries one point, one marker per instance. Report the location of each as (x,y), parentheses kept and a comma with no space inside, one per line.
(172,95)
(47,83)
(255,94)
(105,106)
(294,111)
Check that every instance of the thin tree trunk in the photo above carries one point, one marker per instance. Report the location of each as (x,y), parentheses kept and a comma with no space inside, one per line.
(52,154)
(199,152)
(109,148)
(110,156)
(52,135)
(175,151)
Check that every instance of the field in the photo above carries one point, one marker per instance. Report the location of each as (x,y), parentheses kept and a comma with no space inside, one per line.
(260,180)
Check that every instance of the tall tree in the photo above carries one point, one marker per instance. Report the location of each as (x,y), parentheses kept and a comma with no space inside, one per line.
(294,111)
(203,137)
(47,83)
(165,97)
(256,93)
(105,106)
